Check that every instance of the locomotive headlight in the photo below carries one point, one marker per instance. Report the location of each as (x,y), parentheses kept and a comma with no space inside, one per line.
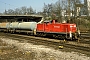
(74,25)
(71,26)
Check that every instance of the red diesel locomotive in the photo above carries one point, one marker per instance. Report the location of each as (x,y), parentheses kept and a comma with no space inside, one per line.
(58,30)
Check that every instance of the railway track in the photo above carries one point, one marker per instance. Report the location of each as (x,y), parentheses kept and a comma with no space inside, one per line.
(85,35)
(55,43)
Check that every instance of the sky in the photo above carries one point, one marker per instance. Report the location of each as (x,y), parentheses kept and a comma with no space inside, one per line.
(35,4)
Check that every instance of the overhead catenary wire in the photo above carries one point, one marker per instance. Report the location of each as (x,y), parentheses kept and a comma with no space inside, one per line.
(8,4)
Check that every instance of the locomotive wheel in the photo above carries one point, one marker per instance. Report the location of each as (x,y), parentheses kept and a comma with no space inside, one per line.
(54,36)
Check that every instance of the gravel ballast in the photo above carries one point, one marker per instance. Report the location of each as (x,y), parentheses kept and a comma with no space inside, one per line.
(40,52)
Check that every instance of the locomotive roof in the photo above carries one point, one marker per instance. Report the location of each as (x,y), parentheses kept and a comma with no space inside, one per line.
(49,20)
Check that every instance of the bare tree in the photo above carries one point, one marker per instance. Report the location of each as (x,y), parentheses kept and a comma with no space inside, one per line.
(24,10)
(20,11)
(30,10)
(10,11)
(17,11)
